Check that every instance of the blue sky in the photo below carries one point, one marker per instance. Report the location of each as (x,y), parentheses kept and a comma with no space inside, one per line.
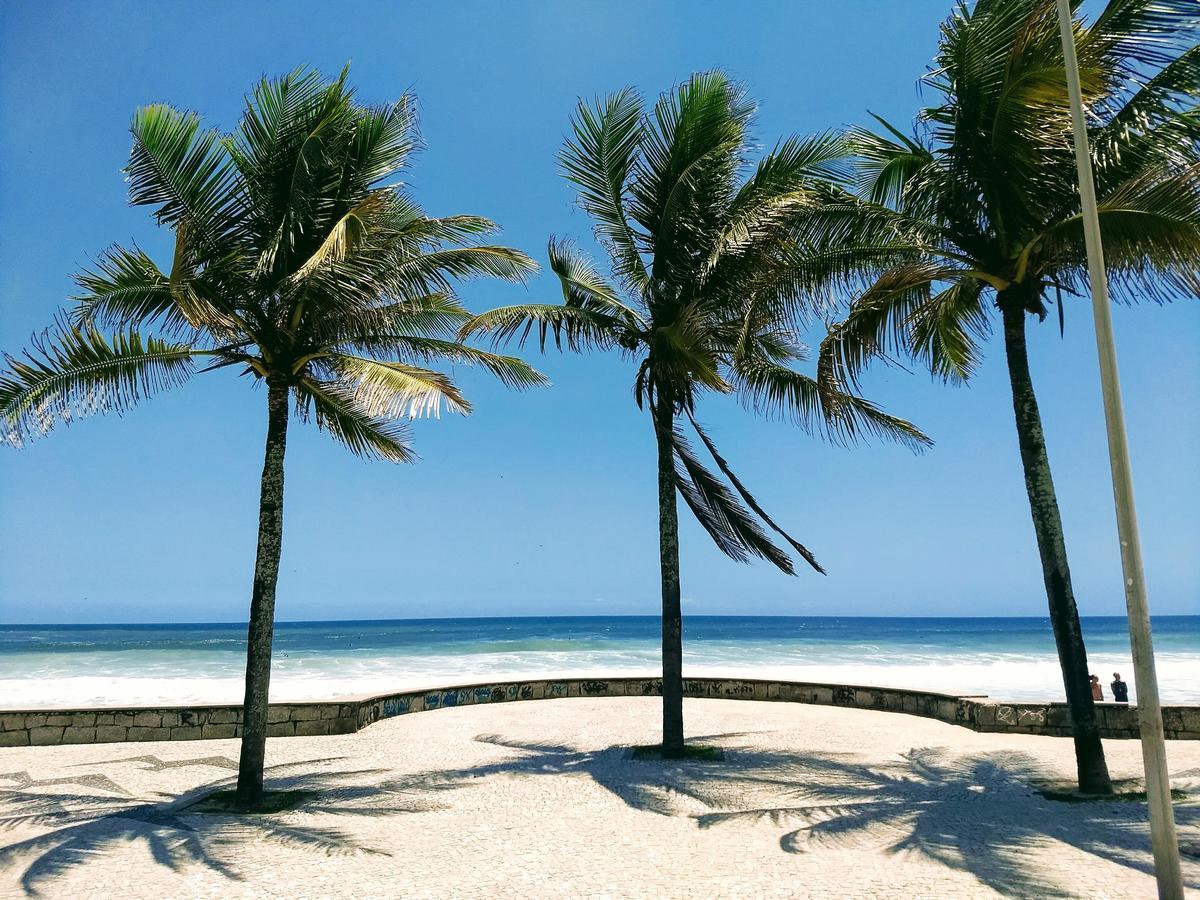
(541,503)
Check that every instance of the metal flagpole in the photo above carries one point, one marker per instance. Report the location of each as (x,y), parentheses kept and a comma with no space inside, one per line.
(1154,754)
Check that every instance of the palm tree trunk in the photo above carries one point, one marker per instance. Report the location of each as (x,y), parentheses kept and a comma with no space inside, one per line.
(1047,525)
(262,603)
(668,551)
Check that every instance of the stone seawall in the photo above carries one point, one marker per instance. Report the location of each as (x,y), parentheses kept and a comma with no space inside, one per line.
(345,715)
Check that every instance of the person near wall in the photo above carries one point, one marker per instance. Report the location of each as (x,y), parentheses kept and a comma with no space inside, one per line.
(1097,690)
(1119,688)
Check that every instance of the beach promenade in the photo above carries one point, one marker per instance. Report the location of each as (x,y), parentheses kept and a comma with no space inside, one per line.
(543,800)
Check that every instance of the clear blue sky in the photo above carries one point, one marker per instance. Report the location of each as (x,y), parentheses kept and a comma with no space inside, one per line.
(540,503)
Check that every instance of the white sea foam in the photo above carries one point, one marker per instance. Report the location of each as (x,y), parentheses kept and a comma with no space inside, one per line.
(119,679)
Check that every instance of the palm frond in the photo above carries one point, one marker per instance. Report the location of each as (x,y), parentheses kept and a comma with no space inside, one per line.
(575,326)
(391,390)
(583,286)
(510,370)
(338,411)
(74,371)
(772,389)
(345,235)
(1168,97)
(436,315)
(183,171)
(384,138)
(126,288)
(432,271)
(1151,32)
(781,189)
(683,352)
(877,322)
(1151,227)
(804,552)
(886,165)
(692,150)
(945,331)
(599,160)
(277,115)
(731,526)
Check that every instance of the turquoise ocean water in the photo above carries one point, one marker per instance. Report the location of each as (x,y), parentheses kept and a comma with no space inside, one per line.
(1004,657)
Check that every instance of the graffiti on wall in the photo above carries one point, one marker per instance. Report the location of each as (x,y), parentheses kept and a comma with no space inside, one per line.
(396,706)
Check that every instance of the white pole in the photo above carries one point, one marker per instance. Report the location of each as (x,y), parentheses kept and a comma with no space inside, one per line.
(1154,752)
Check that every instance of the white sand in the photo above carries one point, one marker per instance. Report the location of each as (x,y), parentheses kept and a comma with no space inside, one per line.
(540,800)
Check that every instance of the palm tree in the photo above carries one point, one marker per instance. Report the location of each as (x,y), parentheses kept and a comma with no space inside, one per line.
(978,209)
(299,261)
(704,300)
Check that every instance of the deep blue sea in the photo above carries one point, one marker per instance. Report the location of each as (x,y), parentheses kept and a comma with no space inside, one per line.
(1002,657)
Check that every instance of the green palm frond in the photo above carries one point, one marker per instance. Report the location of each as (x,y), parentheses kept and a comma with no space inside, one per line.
(338,411)
(1003,122)
(682,353)
(804,552)
(393,390)
(289,151)
(886,165)
(1151,32)
(692,151)
(878,322)
(1151,228)
(946,331)
(437,315)
(181,170)
(74,371)
(782,189)
(407,225)
(347,233)
(1164,99)
(731,526)
(510,370)
(126,288)
(771,389)
(278,115)
(575,326)
(384,138)
(600,161)
(432,231)
(583,286)
(433,271)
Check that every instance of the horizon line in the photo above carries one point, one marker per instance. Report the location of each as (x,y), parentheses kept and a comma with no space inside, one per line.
(6,625)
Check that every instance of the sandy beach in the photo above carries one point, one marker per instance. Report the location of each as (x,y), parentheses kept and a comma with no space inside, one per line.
(543,800)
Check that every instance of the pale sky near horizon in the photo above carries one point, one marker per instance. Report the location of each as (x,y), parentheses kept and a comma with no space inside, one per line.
(538,503)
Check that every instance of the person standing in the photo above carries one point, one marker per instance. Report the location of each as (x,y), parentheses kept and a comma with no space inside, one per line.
(1120,689)
(1097,690)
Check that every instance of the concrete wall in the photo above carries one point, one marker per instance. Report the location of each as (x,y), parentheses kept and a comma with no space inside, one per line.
(349,714)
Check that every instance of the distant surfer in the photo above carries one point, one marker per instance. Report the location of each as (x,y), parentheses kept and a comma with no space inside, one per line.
(1097,690)
(1119,688)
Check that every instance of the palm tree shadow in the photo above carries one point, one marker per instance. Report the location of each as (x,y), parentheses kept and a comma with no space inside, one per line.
(80,827)
(661,786)
(984,814)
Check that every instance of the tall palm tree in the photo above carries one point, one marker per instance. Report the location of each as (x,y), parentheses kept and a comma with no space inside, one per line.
(704,300)
(978,209)
(300,261)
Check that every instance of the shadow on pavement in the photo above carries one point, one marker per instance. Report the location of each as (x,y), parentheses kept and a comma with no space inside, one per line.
(980,814)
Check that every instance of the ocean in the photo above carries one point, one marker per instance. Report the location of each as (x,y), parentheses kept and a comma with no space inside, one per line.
(1008,658)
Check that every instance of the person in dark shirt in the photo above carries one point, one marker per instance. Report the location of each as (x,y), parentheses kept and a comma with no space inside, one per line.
(1119,688)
